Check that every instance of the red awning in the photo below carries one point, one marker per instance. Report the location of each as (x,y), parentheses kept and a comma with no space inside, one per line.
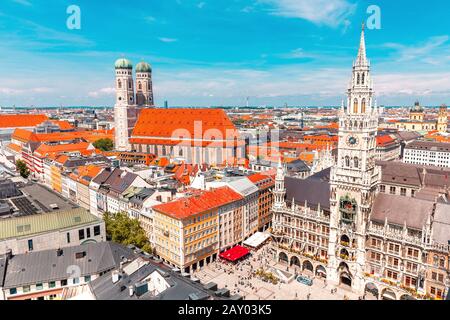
(234,254)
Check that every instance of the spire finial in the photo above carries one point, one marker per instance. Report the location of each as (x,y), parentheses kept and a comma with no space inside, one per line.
(363,26)
(361,59)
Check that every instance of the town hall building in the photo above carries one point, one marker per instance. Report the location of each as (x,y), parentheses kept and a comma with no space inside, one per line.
(372,228)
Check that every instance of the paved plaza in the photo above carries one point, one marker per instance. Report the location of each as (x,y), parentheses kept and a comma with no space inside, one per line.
(239,280)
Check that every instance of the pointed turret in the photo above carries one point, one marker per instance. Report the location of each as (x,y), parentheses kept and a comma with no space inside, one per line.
(361,60)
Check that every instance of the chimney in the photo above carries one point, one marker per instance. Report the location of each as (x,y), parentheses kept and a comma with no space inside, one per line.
(131,290)
(9,254)
(121,266)
(59,252)
(115,276)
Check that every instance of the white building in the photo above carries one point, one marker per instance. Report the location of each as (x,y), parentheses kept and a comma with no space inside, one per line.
(428,153)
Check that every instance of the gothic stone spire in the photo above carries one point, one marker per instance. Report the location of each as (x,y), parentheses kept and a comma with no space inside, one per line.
(361,60)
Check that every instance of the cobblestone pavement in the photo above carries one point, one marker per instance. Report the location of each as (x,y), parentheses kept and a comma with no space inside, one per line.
(238,278)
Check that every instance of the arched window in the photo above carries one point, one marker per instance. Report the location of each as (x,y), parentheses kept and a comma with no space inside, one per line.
(129,84)
(356,162)
(363,105)
(347,161)
(442,262)
(119,84)
(362,78)
(140,85)
(355,106)
(435,260)
(358,79)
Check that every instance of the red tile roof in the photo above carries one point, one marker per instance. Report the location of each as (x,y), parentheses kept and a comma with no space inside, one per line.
(199,203)
(85,174)
(24,135)
(45,149)
(168,123)
(384,140)
(63,125)
(21,120)
(14,147)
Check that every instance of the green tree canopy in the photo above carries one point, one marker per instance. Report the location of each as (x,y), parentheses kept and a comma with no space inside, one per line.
(22,168)
(104,144)
(120,228)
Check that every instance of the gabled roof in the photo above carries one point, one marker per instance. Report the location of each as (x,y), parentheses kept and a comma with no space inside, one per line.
(85,174)
(313,190)
(82,147)
(384,140)
(198,203)
(21,120)
(399,210)
(173,123)
(24,135)
(46,266)
(116,180)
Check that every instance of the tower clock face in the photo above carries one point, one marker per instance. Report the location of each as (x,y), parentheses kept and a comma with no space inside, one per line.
(352,141)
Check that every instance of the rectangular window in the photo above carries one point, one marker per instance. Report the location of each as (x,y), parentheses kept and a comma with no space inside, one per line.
(39,286)
(52,284)
(392,190)
(88,232)
(96,230)
(76,280)
(68,237)
(13,291)
(30,245)
(26,289)
(403,191)
(63,282)
(382,188)
(81,234)
(87,278)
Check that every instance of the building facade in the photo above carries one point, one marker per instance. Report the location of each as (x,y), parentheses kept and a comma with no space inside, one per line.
(128,104)
(373,229)
(428,153)
(418,122)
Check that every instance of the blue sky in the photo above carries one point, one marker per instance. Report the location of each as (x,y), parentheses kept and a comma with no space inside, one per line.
(217,52)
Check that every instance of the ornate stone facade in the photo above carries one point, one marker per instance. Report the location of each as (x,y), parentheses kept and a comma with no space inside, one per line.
(341,224)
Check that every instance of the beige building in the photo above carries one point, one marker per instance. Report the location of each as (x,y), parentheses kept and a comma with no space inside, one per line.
(188,230)
(418,122)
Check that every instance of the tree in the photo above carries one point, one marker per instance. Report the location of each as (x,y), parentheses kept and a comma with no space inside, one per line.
(120,228)
(22,167)
(104,144)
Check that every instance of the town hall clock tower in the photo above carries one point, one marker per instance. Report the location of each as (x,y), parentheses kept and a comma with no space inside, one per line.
(353,179)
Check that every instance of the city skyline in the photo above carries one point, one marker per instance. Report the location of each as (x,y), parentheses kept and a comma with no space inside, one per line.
(205,53)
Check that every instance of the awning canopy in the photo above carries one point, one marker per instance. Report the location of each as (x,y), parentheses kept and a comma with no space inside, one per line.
(257,239)
(235,253)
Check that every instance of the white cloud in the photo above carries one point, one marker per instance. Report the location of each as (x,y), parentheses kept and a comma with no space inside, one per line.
(108,91)
(14,91)
(201,5)
(298,53)
(321,12)
(421,51)
(23,2)
(150,19)
(167,40)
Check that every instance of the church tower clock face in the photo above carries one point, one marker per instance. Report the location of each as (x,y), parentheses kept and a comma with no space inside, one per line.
(352,141)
